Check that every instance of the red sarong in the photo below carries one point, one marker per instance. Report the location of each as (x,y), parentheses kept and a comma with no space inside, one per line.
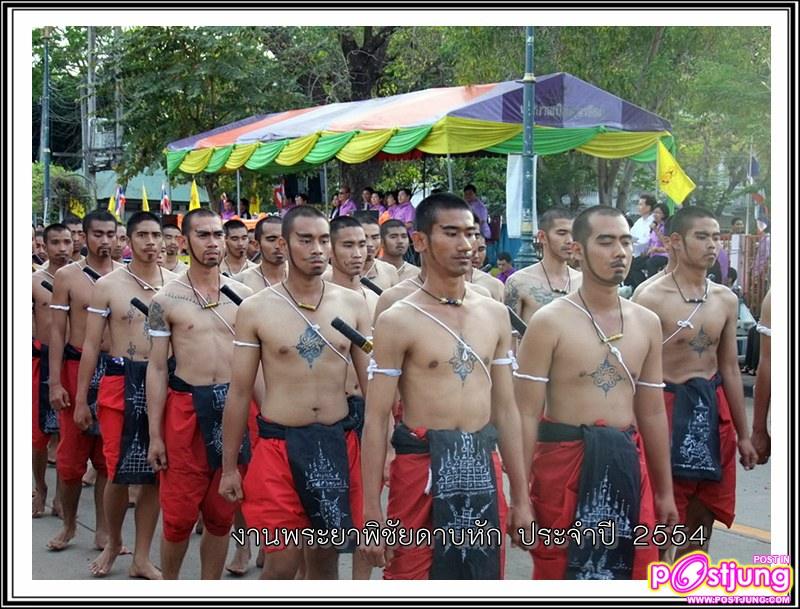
(40,439)
(412,505)
(188,486)
(556,475)
(270,499)
(719,497)
(75,448)
(111,417)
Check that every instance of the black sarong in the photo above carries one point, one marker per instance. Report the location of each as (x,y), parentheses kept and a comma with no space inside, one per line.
(695,450)
(610,489)
(320,468)
(209,403)
(132,466)
(48,418)
(463,490)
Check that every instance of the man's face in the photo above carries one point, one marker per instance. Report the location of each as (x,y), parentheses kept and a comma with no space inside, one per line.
(402,197)
(350,251)
(373,233)
(503,265)
(252,244)
(309,246)
(206,238)
(271,250)
(162,256)
(78,237)
(100,238)
(558,240)
(59,247)
(39,248)
(607,254)
(478,251)
(172,240)
(449,246)
(470,196)
(395,243)
(298,200)
(366,196)
(644,208)
(120,243)
(146,241)
(236,242)
(344,194)
(375,199)
(737,228)
(700,247)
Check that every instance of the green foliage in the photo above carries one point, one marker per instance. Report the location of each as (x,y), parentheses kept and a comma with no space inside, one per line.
(64,186)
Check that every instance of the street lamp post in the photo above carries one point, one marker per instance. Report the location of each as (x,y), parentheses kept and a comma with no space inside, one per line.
(44,152)
(526,254)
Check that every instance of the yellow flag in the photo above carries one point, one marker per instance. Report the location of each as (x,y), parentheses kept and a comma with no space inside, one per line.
(255,206)
(112,207)
(671,179)
(194,197)
(145,204)
(77,208)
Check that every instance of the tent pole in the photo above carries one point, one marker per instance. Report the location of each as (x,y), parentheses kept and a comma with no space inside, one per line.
(238,194)
(526,254)
(324,178)
(424,176)
(449,173)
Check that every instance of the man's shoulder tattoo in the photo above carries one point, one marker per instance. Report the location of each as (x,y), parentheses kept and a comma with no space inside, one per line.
(156,318)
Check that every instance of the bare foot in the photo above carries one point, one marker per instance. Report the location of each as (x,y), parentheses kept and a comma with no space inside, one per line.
(56,509)
(89,477)
(101,540)
(101,566)
(60,541)
(146,571)
(39,499)
(240,564)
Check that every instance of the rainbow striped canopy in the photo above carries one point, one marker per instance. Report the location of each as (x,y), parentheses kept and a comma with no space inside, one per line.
(570,114)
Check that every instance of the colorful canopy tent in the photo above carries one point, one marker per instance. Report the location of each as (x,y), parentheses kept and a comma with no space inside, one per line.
(570,114)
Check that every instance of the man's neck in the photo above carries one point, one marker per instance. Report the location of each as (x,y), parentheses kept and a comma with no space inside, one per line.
(234,263)
(101,264)
(145,270)
(395,261)
(202,275)
(598,296)
(76,256)
(346,281)
(52,268)
(672,264)
(443,286)
(555,267)
(170,261)
(368,265)
(302,286)
(690,276)
(274,273)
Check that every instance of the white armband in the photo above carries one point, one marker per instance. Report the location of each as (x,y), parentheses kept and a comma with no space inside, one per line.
(653,385)
(506,361)
(241,343)
(159,333)
(59,307)
(528,377)
(372,370)
(101,312)
(765,330)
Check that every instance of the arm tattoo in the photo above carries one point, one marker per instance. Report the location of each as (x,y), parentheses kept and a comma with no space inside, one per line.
(463,362)
(310,346)
(605,376)
(512,295)
(541,294)
(156,319)
(701,342)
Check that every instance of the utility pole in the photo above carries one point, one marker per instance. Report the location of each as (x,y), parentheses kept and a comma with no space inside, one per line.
(91,113)
(526,254)
(44,146)
(117,98)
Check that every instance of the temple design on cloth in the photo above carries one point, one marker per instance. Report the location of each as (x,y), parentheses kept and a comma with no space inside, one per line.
(135,461)
(220,395)
(694,447)
(604,505)
(464,519)
(322,476)
(465,471)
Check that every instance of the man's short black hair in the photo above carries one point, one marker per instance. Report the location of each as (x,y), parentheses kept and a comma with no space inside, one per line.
(366,217)
(405,190)
(581,227)
(303,196)
(548,219)
(137,218)
(97,215)
(505,256)
(340,223)
(389,225)
(202,212)
(70,220)
(56,227)
(233,225)
(430,205)
(260,225)
(299,211)
(682,220)
(471,187)
(649,200)
(368,189)
(164,227)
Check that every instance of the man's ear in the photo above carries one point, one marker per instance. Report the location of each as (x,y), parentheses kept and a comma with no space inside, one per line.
(676,241)
(577,250)
(420,241)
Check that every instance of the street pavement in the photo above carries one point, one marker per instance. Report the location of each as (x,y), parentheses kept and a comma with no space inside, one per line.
(749,535)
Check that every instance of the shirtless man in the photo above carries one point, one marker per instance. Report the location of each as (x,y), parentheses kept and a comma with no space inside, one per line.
(119,244)
(701,369)
(58,241)
(121,407)
(529,289)
(193,317)
(762,392)
(591,364)
(173,241)
(395,242)
(479,252)
(305,364)
(75,226)
(272,269)
(476,276)
(446,349)
(381,273)
(235,260)
(72,290)
(348,253)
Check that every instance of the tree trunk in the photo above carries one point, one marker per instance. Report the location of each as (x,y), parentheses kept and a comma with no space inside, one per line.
(357,177)
(624,187)
(606,175)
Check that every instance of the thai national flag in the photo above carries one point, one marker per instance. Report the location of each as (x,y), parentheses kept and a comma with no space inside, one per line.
(166,205)
(119,204)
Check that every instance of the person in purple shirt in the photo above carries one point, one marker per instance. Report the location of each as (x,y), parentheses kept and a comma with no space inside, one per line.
(343,204)
(404,210)
(506,266)
(228,211)
(375,202)
(478,208)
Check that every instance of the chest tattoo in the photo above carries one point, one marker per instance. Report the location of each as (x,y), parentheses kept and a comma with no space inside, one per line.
(512,296)
(701,342)
(463,362)
(310,346)
(606,376)
(541,294)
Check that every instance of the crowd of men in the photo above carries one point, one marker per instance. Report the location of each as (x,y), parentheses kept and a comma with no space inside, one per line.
(285,396)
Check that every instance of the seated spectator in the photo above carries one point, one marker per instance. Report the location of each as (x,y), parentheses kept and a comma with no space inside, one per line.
(656,252)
